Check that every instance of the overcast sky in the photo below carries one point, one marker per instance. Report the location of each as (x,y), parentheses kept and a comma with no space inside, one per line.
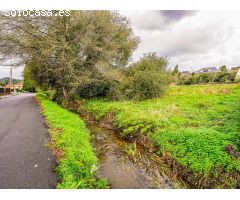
(191,39)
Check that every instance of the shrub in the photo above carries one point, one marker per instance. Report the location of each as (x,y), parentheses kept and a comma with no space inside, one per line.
(219,77)
(28,84)
(147,78)
(50,94)
(222,77)
(186,79)
(205,78)
(97,88)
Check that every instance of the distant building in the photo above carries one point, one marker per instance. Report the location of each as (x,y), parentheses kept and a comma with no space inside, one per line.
(234,69)
(238,74)
(15,87)
(207,70)
(185,72)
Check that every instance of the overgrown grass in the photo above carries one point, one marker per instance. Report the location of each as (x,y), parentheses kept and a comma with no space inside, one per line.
(193,124)
(71,144)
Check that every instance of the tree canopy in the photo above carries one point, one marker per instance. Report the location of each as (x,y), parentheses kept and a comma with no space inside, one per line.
(66,53)
(175,70)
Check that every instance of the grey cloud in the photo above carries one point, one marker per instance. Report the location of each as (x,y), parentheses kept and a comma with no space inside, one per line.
(198,41)
(176,15)
(159,20)
(192,39)
(186,44)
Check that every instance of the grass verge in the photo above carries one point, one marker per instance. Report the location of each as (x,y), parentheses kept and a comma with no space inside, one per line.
(70,142)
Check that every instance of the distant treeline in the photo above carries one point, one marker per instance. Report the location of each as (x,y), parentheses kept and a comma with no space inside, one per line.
(222,76)
(5,81)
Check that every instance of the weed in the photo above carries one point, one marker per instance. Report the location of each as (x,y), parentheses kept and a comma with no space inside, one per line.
(130,149)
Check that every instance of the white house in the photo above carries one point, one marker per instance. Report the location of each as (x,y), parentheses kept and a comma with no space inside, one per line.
(238,74)
(206,70)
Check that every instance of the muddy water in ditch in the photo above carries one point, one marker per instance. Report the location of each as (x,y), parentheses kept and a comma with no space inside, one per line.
(127,165)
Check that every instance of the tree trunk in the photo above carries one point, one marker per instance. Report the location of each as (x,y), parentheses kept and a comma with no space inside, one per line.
(65,93)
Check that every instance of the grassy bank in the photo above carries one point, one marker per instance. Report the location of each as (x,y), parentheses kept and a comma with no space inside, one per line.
(197,126)
(70,142)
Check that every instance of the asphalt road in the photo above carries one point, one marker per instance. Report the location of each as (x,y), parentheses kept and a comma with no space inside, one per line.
(25,159)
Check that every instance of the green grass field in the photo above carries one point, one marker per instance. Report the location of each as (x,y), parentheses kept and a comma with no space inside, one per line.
(72,147)
(198,126)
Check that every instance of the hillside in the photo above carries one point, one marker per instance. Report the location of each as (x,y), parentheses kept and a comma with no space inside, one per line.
(4,81)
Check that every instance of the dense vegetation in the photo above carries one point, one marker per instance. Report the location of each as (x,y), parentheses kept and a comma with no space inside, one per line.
(70,141)
(223,76)
(198,126)
(28,84)
(75,54)
(145,79)
(84,54)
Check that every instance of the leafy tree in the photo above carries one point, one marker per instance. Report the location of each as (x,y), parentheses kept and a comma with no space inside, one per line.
(4,81)
(223,68)
(186,79)
(175,70)
(175,74)
(69,53)
(205,77)
(222,77)
(28,84)
(148,78)
(219,77)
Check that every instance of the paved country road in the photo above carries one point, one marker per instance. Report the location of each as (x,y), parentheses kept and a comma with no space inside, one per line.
(25,160)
